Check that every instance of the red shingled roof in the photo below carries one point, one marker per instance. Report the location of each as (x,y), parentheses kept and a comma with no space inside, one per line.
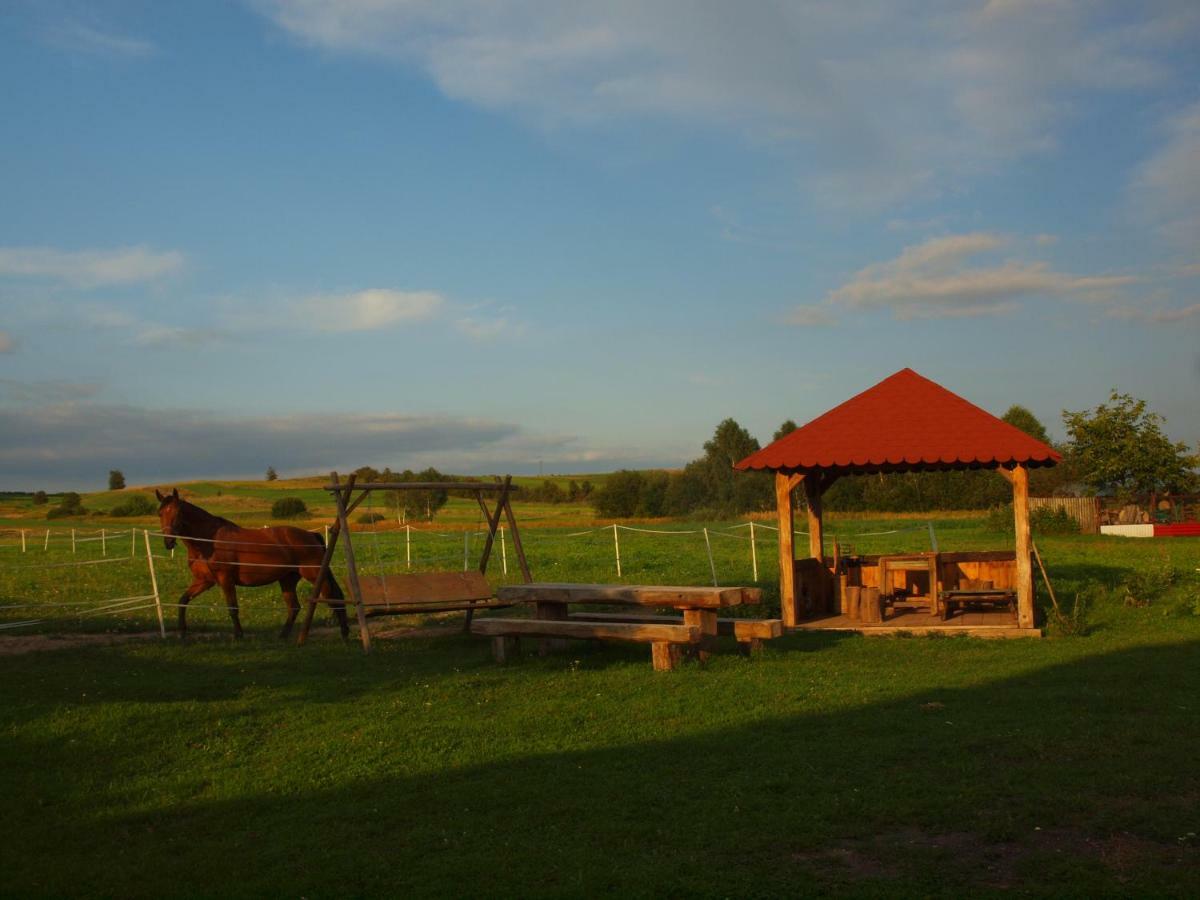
(904,422)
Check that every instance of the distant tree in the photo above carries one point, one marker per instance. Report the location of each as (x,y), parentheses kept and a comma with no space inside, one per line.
(586,488)
(40,498)
(730,491)
(272,475)
(573,495)
(618,498)
(784,430)
(1121,445)
(71,504)
(116,480)
(1020,417)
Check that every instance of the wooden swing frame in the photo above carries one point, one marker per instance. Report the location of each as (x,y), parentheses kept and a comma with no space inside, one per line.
(349,494)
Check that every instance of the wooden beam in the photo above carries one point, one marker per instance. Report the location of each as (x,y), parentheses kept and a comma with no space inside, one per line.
(340,497)
(1024,548)
(613,631)
(1008,476)
(689,596)
(813,490)
(787,550)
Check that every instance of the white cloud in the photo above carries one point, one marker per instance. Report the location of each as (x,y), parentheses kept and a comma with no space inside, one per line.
(1166,188)
(878,99)
(934,280)
(370,310)
(79,37)
(7,344)
(89,268)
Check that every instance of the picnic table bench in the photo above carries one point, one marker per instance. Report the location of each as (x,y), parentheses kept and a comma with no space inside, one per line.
(964,597)
(697,628)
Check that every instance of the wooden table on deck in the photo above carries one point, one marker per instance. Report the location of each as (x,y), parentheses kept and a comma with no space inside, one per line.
(911,562)
(699,606)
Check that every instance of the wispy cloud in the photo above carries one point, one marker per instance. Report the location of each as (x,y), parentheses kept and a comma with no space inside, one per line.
(79,37)
(479,328)
(7,344)
(1157,316)
(810,316)
(1166,188)
(89,268)
(936,280)
(368,310)
(873,101)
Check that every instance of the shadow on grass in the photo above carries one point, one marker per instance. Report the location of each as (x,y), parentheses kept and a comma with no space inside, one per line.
(1078,778)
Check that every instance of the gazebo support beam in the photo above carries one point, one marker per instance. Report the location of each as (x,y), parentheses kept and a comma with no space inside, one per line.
(813,489)
(784,483)
(1019,476)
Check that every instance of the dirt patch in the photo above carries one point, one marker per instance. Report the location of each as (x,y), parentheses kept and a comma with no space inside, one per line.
(35,643)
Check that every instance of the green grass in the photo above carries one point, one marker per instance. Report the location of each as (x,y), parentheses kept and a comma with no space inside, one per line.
(830,764)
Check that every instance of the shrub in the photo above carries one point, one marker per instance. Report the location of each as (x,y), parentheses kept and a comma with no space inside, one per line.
(289,508)
(40,498)
(1075,622)
(71,504)
(136,505)
(1042,520)
(1147,585)
(370,518)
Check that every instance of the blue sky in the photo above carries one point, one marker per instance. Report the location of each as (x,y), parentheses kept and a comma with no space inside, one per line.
(493,236)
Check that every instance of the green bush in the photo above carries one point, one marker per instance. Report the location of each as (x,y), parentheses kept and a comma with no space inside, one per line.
(1146,586)
(39,498)
(136,505)
(71,504)
(1042,520)
(289,508)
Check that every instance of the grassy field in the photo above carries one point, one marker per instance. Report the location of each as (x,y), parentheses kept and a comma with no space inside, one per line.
(829,764)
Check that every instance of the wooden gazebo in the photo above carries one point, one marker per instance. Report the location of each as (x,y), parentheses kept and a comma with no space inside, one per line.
(906,423)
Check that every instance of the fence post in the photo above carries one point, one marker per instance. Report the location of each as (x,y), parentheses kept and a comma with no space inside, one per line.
(503,552)
(132,543)
(932,537)
(72,541)
(617,549)
(162,628)
(22,540)
(711,565)
(326,535)
(46,543)
(753,551)
(408,545)
(466,548)
(103,542)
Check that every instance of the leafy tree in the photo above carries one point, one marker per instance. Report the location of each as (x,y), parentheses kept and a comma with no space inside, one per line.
(40,498)
(71,504)
(619,497)
(1121,445)
(1020,417)
(730,491)
(784,430)
(272,475)
(116,480)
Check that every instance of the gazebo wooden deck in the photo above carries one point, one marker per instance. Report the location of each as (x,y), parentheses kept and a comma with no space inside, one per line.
(906,423)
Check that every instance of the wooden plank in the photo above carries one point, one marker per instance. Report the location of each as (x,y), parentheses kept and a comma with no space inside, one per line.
(664,656)
(424,588)
(340,497)
(424,486)
(787,549)
(695,597)
(505,647)
(1025,612)
(742,629)
(611,631)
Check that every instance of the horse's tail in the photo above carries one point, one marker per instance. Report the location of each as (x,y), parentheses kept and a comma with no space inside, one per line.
(333,589)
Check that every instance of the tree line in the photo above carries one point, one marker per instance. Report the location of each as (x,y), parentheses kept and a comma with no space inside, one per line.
(1118,448)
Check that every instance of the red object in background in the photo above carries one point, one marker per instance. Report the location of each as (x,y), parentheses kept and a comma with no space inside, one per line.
(1179,529)
(906,421)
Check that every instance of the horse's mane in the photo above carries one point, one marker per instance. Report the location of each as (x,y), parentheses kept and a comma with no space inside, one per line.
(197,512)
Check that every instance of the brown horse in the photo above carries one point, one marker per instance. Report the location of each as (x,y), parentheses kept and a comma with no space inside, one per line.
(222,553)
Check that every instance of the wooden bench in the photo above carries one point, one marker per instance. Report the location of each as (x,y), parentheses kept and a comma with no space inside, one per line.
(398,595)
(665,639)
(749,633)
(964,597)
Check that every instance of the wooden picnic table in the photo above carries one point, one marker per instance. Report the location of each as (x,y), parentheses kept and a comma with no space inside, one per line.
(699,625)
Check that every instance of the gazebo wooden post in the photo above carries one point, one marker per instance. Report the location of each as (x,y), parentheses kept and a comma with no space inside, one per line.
(1024,549)
(787,552)
(813,489)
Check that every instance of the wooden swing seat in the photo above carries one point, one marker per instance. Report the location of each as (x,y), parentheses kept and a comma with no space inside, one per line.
(404,594)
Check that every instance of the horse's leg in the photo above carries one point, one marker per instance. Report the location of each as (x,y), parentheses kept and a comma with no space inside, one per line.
(333,595)
(195,589)
(288,585)
(230,591)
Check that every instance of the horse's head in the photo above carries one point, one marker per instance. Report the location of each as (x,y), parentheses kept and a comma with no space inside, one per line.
(170,512)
